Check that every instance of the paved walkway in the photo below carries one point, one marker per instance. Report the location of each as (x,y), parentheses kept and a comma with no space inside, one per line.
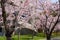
(55,38)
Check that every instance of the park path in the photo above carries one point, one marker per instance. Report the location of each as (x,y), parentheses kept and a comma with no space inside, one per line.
(55,38)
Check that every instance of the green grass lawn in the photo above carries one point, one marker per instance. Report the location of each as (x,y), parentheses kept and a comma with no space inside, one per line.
(23,37)
(28,37)
(39,36)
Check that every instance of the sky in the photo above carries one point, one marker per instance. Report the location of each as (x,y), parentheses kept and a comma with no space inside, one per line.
(54,1)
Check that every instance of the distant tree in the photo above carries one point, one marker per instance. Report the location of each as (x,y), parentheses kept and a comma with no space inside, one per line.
(50,18)
(49,23)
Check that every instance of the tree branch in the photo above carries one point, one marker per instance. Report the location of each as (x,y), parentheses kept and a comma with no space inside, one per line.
(3,12)
(55,24)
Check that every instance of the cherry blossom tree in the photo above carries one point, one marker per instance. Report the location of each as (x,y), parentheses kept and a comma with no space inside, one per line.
(41,11)
(8,30)
(49,19)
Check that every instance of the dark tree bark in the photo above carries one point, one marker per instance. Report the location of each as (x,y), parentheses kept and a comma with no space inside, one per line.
(48,37)
(8,32)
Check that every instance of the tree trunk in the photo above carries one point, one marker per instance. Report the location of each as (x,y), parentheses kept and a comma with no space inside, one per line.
(32,35)
(8,38)
(48,37)
(8,34)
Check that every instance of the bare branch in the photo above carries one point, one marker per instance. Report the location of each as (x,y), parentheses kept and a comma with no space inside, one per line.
(55,24)
(11,3)
(51,23)
(46,21)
